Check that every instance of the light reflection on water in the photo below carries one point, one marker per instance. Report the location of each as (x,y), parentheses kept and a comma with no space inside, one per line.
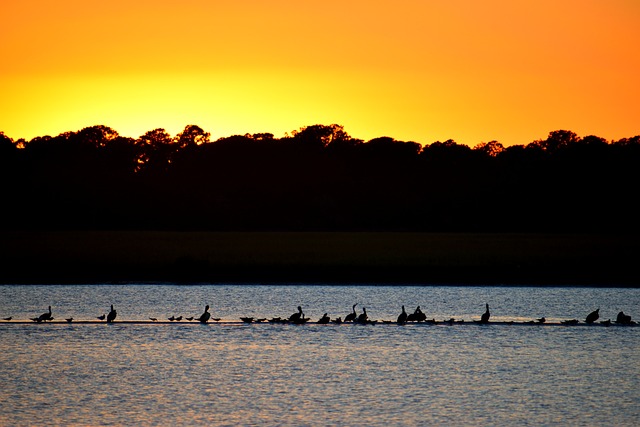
(188,374)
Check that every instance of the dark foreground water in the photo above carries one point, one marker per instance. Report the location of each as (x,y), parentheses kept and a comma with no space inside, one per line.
(265,374)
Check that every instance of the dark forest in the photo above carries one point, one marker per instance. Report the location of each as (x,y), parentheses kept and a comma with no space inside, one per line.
(317,179)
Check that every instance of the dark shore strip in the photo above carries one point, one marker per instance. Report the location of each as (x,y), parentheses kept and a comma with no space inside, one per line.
(67,257)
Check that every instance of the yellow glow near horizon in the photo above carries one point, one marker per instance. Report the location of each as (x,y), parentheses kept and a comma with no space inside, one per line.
(414,70)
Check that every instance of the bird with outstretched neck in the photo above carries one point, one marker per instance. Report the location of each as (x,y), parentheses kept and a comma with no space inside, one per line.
(204,317)
(402,318)
(45,316)
(351,316)
(486,315)
(112,315)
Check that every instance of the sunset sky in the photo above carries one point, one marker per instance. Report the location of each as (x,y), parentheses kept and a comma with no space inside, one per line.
(421,70)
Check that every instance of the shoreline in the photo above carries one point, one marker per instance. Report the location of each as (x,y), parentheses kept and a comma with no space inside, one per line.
(47,257)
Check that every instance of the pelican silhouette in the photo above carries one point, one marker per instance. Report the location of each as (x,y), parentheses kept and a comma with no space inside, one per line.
(363,316)
(204,317)
(324,319)
(593,316)
(402,318)
(417,316)
(351,316)
(296,317)
(622,318)
(112,315)
(45,316)
(485,316)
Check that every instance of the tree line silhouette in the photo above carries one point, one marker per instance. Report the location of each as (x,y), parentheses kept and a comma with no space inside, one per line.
(317,178)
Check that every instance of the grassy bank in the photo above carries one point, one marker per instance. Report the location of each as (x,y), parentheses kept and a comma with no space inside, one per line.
(97,256)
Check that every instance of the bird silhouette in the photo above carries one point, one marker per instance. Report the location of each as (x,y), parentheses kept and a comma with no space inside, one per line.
(8,318)
(216,319)
(171,319)
(363,316)
(351,316)
(204,317)
(337,321)
(324,319)
(622,319)
(593,316)
(179,318)
(70,319)
(247,319)
(153,319)
(45,316)
(189,318)
(541,320)
(296,317)
(485,316)
(112,315)
(101,317)
(402,318)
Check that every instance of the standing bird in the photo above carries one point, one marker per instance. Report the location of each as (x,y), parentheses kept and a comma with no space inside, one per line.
(171,319)
(45,316)
(296,317)
(324,319)
(101,317)
(593,316)
(153,319)
(70,319)
(363,317)
(351,316)
(204,317)
(485,316)
(112,315)
(179,318)
(402,318)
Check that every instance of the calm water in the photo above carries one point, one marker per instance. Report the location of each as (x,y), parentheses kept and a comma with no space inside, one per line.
(265,374)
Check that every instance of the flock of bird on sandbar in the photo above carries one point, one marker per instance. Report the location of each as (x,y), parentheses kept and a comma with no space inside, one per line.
(299,318)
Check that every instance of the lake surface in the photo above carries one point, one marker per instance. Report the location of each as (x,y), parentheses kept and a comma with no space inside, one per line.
(265,374)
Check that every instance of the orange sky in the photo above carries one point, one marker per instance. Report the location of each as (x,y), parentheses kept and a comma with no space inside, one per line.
(421,70)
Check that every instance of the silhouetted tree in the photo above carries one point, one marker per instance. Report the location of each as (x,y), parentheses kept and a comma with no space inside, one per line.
(192,135)
(320,178)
